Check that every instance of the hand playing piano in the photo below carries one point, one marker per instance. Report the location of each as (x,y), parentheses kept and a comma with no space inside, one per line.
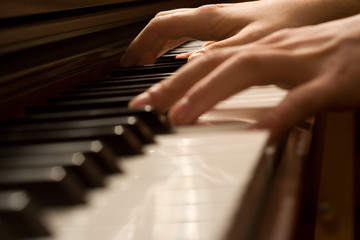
(318,64)
(225,25)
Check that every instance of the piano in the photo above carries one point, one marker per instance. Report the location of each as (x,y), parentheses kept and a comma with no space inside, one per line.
(76,163)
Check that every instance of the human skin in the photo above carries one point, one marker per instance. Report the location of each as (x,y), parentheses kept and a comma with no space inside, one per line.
(225,25)
(318,64)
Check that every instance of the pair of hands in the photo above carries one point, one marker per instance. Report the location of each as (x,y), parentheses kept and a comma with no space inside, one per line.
(319,64)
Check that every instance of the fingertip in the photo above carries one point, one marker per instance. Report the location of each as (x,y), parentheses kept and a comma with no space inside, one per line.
(126,61)
(147,58)
(182,55)
(181,113)
(141,100)
(272,122)
(123,61)
(273,136)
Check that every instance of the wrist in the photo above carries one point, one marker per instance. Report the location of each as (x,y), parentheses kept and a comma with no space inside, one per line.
(306,12)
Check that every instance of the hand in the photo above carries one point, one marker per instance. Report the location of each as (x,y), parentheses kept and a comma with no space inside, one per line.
(229,25)
(318,64)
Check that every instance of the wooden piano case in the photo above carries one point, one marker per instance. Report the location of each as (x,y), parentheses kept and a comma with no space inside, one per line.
(48,49)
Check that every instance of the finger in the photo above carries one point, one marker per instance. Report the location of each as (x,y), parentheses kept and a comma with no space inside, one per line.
(190,24)
(245,69)
(165,93)
(212,46)
(187,55)
(292,38)
(150,57)
(138,56)
(248,34)
(300,103)
(277,36)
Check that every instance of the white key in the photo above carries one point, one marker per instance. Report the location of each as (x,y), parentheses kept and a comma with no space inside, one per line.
(187,186)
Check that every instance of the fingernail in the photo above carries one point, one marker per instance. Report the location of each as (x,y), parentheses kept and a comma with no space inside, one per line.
(141,100)
(182,55)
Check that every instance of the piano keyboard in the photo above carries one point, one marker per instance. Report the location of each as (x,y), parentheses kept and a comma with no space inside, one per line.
(85,167)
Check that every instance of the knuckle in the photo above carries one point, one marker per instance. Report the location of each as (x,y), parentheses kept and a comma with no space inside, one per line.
(220,44)
(217,21)
(166,18)
(161,13)
(249,59)
(158,23)
(156,20)
(161,17)
(210,9)
(281,34)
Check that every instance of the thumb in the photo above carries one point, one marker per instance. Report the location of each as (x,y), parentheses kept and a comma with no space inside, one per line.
(187,54)
(247,35)
(212,45)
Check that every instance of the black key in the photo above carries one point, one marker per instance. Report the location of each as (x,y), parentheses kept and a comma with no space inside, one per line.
(136,125)
(140,129)
(169,57)
(119,138)
(103,155)
(157,122)
(48,185)
(178,51)
(126,80)
(82,104)
(96,94)
(148,69)
(100,88)
(136,79)
(80,165)
(21,215)
(192,45)
(116,85)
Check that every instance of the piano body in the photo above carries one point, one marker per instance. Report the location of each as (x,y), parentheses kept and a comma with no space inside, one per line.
(77,164)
